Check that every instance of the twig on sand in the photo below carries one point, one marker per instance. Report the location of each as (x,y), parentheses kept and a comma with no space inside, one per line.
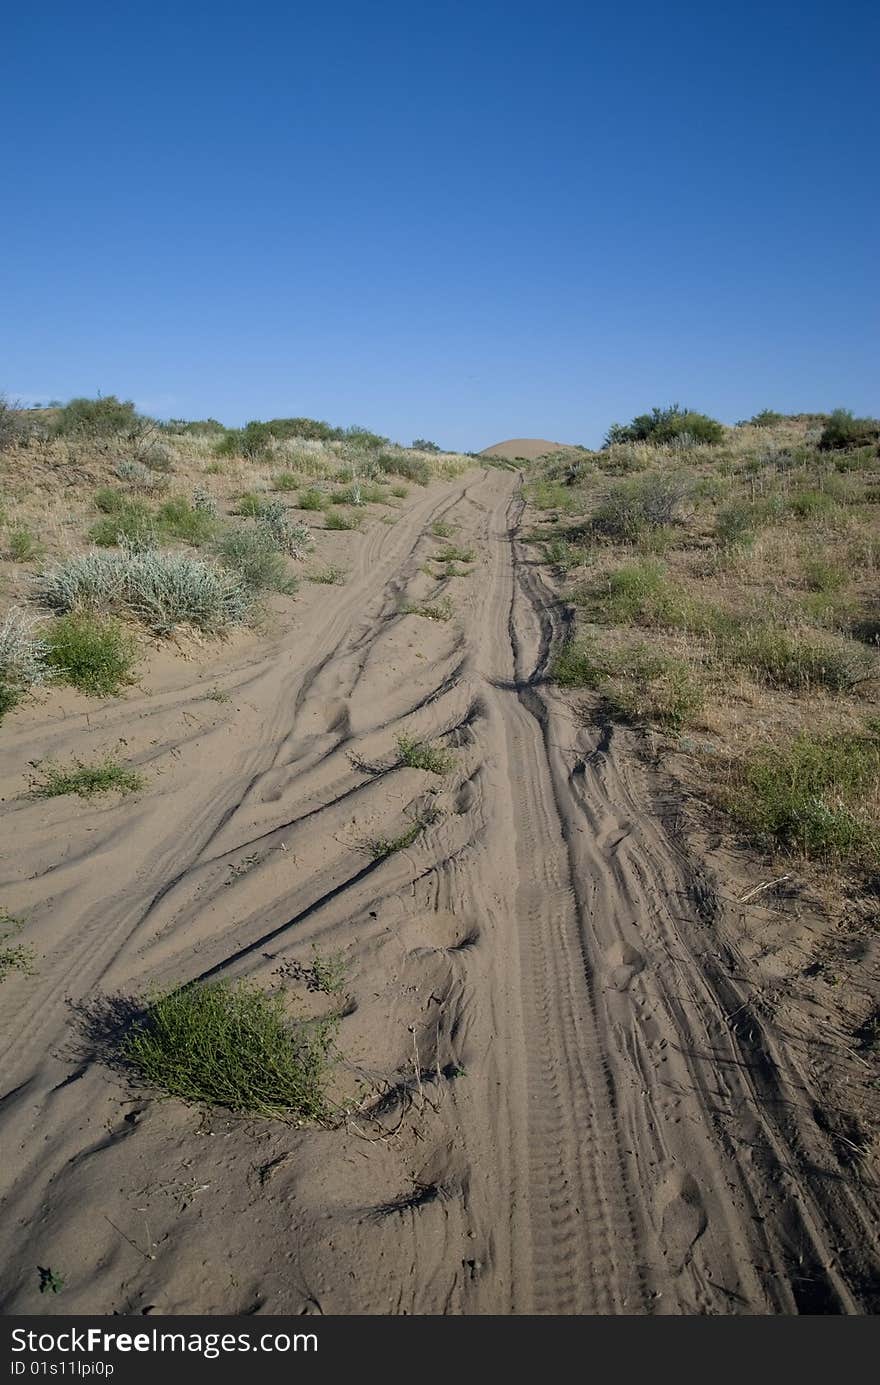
(767,884)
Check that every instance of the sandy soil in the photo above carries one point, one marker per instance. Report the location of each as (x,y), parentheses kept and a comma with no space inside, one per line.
(573,1107)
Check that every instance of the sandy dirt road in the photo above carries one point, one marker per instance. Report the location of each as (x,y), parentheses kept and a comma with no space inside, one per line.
(566,1105)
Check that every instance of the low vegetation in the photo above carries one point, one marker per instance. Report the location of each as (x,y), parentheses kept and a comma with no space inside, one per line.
(233,1045)
(722,580)
(417,754)
(106,776)
(96,656)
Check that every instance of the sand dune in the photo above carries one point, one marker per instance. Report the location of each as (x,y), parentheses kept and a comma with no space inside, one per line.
(528,449)
(561,1115)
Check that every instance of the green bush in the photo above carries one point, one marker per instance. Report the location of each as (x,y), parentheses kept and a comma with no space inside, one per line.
(96,656)
(635,682)
(415,469)
(251,505)
(779,658)
(664,425)
(767,418)
(125,519)
(311,500)
(334,520)
(233,1045)
(651,500)
(254,442)
(98,418)
(285,481)
(178,519)
(843,430)
(160,589)
(21,545)
(812,796)
(253,556)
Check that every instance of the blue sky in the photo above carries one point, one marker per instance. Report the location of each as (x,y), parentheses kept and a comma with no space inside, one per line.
(464,221)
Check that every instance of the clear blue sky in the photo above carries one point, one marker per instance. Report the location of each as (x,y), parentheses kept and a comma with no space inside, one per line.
(465,221)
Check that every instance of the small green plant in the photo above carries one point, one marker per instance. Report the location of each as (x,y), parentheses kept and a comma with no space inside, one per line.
(311,499)
(219,695)
(14,956)
(417,754)
(252,555)
(334,520)
(285,481)
(650,500)
(441,530)
(399,492)
(251,505)
(415,469)
(94,655)
(85,780)
(21,545)
(50,1282)
(123,519)
(812,504)
(178,519)
(380,847)
(233,1045)
(816,796)
(327,972)
(285,535)
(429,610)
(824,576)
(452,554)
(779,658)
(331,576)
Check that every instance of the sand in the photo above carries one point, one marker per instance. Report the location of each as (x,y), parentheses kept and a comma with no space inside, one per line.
(568,1102)
(528,449)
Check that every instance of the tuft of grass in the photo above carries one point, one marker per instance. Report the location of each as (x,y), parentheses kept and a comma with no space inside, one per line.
(380,847)
(250,505)
(331,576)
(14,956)
(779,658)
(642,593)
(178,519)
(97,656)
(416,754)
(399,492)
(286,481)
(233,1045)
(218,695)
(123,519)
(85,780)
(415,469)
(816,796)
(311,499)
(451,554)
(441,530)
(825,576)
(430,610)
(254,558)
(565,555)
(334,520)
(635,682)
(21,545)
(650,500)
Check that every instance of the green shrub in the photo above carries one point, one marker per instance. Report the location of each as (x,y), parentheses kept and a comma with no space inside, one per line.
(767,418)
(160,589)
(251,505)
(647,686)
(311,499)
(98,418)
(664,425)
(129,520)
(285,481)
(811,503)
(580,663)
(96,656)
(254,442)
(842,430)
(642,593)
(233,1045)
(453,554)
(781,659)
(334,520)
(415,469)
(417,754)
(288,537)
(111,501)
(178,519)
(85,780)
(329,576)
(824,576)
(564,555)
(423,445)
(21,545)
(813,796)
(648,501)
(253,556)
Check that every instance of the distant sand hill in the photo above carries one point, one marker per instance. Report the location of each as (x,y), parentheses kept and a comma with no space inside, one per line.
(529,448)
